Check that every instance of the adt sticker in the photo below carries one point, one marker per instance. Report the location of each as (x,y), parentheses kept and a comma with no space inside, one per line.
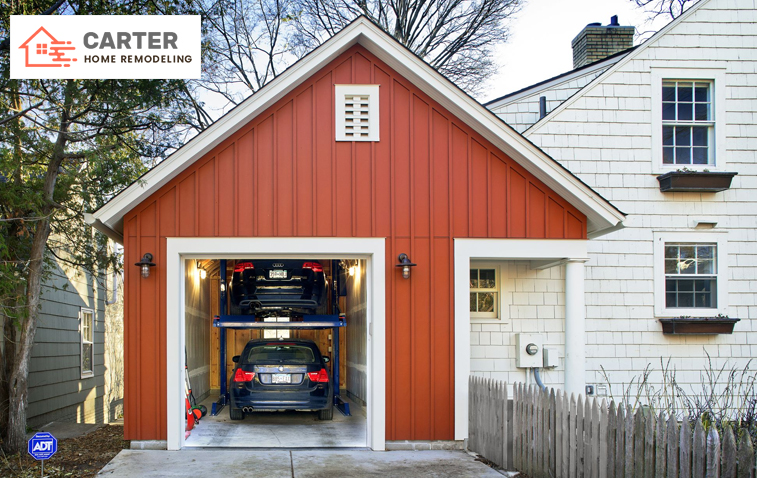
(42,446)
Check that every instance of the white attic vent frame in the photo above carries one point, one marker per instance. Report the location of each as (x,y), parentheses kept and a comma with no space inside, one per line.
(357,112)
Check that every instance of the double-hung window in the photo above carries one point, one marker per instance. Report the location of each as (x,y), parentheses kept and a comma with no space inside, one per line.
(86,330)
(691,276)
(687,123)
(688,119)
(484,291)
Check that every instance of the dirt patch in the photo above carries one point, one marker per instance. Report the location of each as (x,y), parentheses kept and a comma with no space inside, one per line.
(76,457)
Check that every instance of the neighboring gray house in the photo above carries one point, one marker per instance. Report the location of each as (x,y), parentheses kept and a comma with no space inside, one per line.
(76,369)
(682,104)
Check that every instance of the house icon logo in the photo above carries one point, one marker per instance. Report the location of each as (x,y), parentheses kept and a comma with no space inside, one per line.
(43,50)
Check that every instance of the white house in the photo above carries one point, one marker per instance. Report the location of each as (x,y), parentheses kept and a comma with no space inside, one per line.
(685,100)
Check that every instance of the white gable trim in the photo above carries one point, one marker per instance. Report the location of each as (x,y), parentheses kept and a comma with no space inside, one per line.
(600,213)
(599,79)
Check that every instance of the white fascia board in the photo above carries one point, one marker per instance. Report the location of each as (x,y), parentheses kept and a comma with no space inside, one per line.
(599,79)
(535,90)
(600,213)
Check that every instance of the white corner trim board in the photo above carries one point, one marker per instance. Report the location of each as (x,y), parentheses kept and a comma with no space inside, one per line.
(372,250)
(494,249)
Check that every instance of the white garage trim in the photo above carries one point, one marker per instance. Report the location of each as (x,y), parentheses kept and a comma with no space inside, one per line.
(372,250)
(494,249)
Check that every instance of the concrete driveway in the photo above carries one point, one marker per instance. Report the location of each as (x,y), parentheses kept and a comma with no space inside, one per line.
(295,463)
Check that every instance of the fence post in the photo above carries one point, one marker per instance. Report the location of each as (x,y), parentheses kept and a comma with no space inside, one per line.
(559,428)
(660,446)
(603,439)
(649,445)
(505,429)
(728,458)
(713,453)
(573,431)
(612,430)
(620,443)
(746,455)
(629,442)
(698,451)
(638,446)
(684,455)
(580,458)
(673,443)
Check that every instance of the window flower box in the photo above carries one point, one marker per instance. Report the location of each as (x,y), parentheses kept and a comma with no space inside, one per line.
(695,181)
(698,325)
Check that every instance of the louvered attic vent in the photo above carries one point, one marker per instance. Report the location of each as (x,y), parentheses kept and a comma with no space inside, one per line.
(357,112)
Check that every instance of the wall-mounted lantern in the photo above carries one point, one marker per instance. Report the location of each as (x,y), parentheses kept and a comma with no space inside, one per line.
(405,263)
(200,270)
(145,264)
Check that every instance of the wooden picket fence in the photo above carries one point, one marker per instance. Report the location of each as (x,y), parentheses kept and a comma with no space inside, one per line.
(549,434)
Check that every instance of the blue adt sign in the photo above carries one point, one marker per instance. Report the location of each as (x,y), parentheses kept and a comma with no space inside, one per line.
(42,446)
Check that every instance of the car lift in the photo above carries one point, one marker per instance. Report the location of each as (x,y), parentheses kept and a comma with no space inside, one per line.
(309,322)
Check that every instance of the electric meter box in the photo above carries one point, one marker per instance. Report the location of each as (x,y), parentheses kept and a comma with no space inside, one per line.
(528,350)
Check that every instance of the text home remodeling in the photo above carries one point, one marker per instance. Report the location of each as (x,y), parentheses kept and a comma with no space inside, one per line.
(138,40)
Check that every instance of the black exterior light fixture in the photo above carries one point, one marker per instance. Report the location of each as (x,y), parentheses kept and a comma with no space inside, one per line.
(405,263)
(145,264)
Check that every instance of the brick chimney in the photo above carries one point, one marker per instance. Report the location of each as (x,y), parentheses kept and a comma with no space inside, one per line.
(596,42)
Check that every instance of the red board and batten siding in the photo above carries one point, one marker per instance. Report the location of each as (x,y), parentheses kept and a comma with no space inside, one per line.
(429,179)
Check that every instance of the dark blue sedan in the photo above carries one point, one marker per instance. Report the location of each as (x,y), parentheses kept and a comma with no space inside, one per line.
(284,374)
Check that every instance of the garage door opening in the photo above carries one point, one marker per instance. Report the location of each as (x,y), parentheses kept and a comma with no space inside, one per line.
(282,356)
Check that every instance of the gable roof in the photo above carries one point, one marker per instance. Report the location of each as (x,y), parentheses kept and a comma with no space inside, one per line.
(601,215)
(550,83)
(600,78)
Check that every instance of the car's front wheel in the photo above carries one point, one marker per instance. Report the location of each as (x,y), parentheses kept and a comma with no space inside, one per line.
(327,414)
(235,413)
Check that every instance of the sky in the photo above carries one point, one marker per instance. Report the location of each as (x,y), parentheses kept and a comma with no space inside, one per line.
(541,34)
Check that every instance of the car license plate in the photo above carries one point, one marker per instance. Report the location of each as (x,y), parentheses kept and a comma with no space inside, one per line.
(281,378)
(277,274)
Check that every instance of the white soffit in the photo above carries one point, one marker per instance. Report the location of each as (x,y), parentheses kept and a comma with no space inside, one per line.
(600,213)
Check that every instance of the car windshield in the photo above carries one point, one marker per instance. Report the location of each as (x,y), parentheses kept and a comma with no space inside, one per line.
(280,353)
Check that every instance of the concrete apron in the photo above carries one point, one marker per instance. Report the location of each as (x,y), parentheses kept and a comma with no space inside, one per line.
(295,463)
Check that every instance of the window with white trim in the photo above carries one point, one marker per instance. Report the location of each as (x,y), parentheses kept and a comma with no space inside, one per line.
(688,119)
(691,278)
(357,112)
(86,331)
(484,291)
(690,274)
(688,127)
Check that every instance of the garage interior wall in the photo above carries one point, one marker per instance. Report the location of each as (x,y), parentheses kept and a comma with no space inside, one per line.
(198,328)
(430,180)
(533,301)
(357,322)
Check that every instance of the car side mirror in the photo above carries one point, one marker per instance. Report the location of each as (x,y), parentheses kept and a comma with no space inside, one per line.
(235,358)
(326,359)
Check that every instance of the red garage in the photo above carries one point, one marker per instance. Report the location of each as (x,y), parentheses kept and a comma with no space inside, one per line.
(356,154)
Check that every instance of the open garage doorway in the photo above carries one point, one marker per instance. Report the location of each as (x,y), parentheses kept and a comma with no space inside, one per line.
(359,297)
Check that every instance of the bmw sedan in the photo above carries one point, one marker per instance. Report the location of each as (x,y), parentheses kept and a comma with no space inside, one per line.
(268,287)
(284,374)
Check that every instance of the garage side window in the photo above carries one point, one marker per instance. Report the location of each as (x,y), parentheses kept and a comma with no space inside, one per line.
(357,112)
(86,330)
(484,291)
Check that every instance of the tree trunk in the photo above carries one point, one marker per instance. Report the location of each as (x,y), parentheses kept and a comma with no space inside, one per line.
(18,387)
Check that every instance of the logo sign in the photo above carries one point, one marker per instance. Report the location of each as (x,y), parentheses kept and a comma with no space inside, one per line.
(42,446)
(103,46)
